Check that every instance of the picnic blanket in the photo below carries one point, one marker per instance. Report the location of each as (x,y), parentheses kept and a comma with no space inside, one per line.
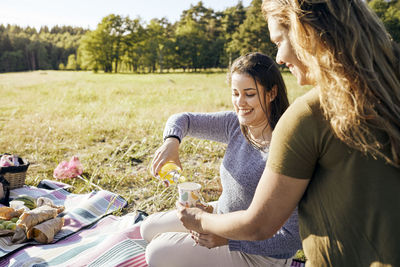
(88,238)
(112,241)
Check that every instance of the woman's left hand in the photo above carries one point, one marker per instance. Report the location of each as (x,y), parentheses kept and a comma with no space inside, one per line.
(190,217)
(208,240)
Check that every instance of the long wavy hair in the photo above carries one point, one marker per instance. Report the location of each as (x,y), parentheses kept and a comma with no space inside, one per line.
(355,64)
(264,71)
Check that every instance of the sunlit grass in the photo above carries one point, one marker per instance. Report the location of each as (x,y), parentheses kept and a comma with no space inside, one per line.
(114,123)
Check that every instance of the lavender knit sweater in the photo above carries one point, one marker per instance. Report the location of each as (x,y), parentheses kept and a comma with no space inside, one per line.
(240,172)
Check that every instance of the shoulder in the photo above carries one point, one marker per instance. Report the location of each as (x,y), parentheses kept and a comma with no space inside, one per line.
(307,103)
(297,136)
(304,111)
(231,116)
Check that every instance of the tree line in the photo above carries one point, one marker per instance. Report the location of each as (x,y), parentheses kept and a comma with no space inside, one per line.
(202,39)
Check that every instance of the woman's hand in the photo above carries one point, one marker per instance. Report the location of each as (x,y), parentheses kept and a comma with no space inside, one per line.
(208,240)
(190,217)
(168,151)
(205,207)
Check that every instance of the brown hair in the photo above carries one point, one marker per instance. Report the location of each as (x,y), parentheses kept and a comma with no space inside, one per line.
(265,72)
(355,65)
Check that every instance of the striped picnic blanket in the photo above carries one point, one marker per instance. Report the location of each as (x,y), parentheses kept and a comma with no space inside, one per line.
(89,238)
(112,241)
(81,210)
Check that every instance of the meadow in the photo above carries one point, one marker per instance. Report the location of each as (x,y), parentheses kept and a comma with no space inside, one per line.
(114,124)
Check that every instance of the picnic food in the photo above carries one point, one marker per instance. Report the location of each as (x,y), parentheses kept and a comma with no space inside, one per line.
(29,202)
(40,223)
(7,213)
(33,217)
(44,201)
(8,226)
(45,232)
(170,173)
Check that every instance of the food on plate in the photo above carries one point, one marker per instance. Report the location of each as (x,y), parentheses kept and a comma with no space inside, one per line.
(40,223)
(11,226)
(7,213)
(7,227)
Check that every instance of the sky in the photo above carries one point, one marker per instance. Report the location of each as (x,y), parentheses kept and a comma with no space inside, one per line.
(88,13)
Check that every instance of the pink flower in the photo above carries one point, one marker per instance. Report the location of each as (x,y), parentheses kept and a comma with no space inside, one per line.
(7,161)
(68,169)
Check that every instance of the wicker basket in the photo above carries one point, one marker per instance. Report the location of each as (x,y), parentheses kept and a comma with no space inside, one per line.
(15,175)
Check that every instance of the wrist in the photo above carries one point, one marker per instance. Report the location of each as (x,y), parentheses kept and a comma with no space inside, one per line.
(201,219)
(172,138)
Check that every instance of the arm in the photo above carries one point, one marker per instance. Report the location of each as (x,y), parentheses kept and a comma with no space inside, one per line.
(296,146)
(212,126)
(285,241)
(275,199)
(168,151)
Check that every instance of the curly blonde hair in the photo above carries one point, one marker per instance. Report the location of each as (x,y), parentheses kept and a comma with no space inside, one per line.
(355,65)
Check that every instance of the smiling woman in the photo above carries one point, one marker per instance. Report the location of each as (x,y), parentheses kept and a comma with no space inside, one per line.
(335,151)
(286,55)
(259,99)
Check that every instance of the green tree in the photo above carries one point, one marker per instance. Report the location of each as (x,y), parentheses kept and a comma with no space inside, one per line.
(389,13)
(134,44)
(253,34)
(231,20)
(30,50)
(102,48)
(11,61)
(199,38)
(157,43)
(72,65)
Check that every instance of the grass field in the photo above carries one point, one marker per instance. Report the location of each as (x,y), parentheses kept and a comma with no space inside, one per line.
(114,123)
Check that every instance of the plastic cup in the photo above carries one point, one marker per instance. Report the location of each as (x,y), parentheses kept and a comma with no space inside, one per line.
(189,194)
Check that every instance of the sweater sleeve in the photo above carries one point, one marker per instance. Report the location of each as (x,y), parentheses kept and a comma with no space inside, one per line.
(211,126)
(284,244)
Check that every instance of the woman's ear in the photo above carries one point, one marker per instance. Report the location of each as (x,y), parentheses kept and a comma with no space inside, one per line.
(272,94)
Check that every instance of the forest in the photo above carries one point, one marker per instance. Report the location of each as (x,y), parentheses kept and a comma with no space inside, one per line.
(203,39)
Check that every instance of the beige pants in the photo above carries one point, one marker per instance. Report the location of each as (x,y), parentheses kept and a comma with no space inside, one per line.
(171,246)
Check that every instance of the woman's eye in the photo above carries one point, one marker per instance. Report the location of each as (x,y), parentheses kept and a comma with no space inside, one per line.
(250,95)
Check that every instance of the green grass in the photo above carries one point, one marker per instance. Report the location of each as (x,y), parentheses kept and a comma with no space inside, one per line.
(114,123)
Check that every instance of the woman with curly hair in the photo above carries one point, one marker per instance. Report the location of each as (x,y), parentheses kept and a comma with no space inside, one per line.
(335,152)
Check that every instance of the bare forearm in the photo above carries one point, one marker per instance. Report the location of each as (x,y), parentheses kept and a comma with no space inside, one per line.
(240,226)
(274,201)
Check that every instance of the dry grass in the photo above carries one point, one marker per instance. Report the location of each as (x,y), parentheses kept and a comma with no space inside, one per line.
(114,123)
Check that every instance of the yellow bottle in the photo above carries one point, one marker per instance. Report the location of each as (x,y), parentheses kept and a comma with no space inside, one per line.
(170,173)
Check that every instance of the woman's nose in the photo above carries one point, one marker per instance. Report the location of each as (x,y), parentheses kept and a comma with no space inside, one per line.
(241,99)
(278,58)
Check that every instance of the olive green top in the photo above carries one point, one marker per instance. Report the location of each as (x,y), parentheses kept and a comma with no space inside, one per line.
(350,213)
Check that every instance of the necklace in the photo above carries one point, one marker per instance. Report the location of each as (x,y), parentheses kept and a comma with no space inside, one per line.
(263,145)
